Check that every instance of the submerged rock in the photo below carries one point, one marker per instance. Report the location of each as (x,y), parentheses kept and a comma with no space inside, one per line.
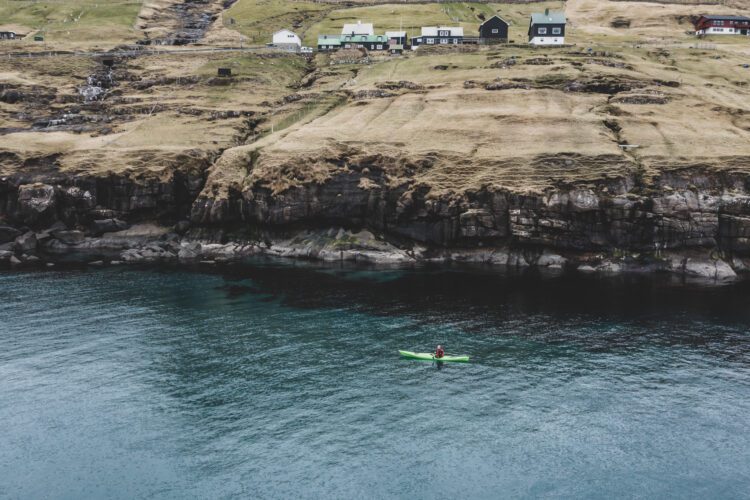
(108,226)
(69,237)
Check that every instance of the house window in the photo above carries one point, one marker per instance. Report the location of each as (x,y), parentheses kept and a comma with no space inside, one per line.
(718,23)
(455,41)
(347,46)
(444,33)
(556,31)
(443,40)
(495,31)
(380,47)
(430,41)
(542,31)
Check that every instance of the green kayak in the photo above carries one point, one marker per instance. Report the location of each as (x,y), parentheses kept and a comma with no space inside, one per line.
(428,356)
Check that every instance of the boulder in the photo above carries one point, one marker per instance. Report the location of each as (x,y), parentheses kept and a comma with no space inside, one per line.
(189,251)
(182,227)
(15,261)
(37,204)
(108,226)
(31,259)
(711,269)
(8,233)
(551,260)
(5,255)
(69,237)
(26,243)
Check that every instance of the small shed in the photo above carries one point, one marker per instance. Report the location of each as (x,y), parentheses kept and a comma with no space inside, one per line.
(494,29)
(397,37)
(38,38)
(7,35)
(225,72)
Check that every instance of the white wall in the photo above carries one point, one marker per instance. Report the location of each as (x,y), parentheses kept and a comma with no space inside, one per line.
(548,40)
(286,37)
(720,31)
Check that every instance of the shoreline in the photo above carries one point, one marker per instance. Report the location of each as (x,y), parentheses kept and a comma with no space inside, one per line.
(156,245)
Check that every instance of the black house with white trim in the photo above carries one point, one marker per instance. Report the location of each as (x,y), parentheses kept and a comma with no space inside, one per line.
(547,28)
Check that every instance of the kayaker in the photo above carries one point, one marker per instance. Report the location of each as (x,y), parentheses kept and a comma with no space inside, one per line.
(439,352)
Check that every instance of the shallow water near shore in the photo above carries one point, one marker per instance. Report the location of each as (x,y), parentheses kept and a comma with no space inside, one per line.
(283,381)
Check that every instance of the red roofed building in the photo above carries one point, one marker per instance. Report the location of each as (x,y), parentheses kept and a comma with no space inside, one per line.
(722,25)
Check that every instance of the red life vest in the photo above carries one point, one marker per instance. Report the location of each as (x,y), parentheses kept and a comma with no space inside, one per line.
(439,353)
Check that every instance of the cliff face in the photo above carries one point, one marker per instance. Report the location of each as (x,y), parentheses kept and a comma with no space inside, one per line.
(678,211)
(687,221)
(39,200)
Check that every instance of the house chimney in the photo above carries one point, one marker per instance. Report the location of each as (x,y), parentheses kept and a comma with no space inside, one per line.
(546,12)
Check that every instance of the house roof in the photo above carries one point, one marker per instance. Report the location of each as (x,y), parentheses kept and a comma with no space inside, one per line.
(364,38)
(395,34)
(285,31)
(727,18)
(329,40)
(493,17)
(548,18)
(433,30)
(358,28)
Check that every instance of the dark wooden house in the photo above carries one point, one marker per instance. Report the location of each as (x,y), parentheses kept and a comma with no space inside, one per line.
(494,29)
(547,28)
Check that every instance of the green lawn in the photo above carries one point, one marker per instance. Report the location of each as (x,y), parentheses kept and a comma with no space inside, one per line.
(277,71)
(259,19)
(75,20)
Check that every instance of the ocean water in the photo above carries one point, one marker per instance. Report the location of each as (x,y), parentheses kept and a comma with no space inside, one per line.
(283,381)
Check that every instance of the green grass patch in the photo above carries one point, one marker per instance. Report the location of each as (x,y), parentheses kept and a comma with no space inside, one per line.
(276,71)
(259,19)
(75,20)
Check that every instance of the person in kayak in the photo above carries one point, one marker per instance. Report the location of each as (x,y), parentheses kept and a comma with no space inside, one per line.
(439,352)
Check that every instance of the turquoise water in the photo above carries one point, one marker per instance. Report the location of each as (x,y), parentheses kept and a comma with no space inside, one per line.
(283,382)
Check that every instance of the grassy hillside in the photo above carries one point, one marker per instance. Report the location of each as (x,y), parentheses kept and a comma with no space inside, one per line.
(511,115)
(93,21)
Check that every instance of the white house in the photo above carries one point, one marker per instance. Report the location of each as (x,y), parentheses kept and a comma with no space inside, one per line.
(722,25)
(288,40)
(439,35)
(358,29)
(547,28)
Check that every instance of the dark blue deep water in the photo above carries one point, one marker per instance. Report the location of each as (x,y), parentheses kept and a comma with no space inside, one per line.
(283,381)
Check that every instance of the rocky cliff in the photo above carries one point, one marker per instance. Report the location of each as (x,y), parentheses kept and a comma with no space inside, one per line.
(689,221)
